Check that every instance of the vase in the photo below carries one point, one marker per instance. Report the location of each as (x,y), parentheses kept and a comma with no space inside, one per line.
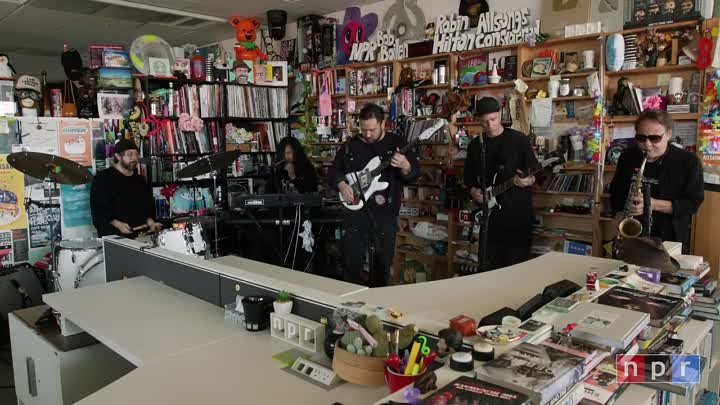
(331,339)
(283,307)
(651,58)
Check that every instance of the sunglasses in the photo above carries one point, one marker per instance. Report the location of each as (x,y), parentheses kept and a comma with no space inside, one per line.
(641,138)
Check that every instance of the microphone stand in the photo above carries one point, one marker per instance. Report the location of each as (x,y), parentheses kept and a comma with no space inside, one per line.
(485,209)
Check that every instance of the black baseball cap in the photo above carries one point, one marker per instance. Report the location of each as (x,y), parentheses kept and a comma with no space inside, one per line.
(125,144)
(487,105)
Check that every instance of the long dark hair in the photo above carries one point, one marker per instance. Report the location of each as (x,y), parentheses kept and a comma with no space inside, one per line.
(302,163)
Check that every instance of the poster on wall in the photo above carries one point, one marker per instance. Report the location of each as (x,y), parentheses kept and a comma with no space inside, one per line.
(20,245)
(12,195)
(39,217)
(6,250)
(75,141)
(77,219)
(38,135)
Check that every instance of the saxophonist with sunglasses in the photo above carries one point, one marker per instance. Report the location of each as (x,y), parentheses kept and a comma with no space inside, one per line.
(675,180)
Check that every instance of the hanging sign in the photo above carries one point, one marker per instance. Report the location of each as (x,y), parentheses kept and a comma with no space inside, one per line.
(453,33)
(383,47)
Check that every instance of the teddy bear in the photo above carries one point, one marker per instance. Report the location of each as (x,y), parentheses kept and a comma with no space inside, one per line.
(246,49)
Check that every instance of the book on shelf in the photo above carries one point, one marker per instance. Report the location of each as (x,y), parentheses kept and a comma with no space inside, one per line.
(542,373)
(604,325)
(257,102)
(170,140)
(661,308)
(467,390)
(601,385)
(571,183)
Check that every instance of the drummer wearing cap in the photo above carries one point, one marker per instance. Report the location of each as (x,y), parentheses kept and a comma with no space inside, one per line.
(120,199)
(508,157)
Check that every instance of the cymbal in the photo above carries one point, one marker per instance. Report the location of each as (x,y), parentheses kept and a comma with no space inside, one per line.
(208,164)
(202,220)
(56,168)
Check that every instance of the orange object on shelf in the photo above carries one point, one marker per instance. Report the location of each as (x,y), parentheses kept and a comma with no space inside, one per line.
(463,324)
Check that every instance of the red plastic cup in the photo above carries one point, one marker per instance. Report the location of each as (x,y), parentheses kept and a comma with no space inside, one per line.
(396,381)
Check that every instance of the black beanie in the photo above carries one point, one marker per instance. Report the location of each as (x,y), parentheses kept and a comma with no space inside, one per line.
(123,145)
(487,105)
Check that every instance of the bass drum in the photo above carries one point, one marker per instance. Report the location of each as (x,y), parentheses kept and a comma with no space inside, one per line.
(80,263)
(187,239)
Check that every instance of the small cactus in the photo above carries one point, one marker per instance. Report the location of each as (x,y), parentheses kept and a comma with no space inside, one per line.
(351,348)
(358,342)
(373,324)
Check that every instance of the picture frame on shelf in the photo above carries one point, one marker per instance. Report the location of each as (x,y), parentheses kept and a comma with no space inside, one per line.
(116,58)
(182,65)
(160,67)
(114,106)
(541,67)
(244,72)
(277,73)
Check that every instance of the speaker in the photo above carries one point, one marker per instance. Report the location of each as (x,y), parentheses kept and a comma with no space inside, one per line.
(277,20)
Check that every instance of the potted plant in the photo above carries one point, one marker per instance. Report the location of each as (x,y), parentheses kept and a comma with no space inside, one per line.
(283,304)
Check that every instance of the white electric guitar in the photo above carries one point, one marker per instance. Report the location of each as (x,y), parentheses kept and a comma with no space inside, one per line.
(367,180)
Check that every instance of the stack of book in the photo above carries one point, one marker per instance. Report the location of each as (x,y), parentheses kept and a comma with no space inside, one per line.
(545,374)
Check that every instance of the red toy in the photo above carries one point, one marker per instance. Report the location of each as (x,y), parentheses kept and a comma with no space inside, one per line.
(246,49)
(463,324)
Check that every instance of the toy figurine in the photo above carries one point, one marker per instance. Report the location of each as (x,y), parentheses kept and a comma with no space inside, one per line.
(7,71)
(406,76)
(246,49)
(427,382)
(449,341)
(28,91)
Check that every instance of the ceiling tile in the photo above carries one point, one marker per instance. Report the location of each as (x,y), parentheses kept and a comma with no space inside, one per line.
(6,9)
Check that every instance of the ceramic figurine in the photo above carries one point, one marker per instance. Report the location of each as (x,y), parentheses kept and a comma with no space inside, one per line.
(449,341)
(28,91)
(246,49)
(7,71)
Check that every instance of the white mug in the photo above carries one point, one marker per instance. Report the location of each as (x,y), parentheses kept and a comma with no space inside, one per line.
(511,322)
(588,59)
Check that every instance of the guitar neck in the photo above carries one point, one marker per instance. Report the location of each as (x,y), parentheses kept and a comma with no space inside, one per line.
(386,162)
(508,184)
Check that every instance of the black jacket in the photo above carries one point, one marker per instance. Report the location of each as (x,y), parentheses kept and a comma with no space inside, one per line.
(505,153)
(355,154)
(680,177)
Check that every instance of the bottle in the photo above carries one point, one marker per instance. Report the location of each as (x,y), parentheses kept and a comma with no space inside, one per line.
(210,68)
(47,105)
(171,101)
(197,67)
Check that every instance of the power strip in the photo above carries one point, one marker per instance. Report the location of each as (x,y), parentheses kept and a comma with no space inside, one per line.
(315,373)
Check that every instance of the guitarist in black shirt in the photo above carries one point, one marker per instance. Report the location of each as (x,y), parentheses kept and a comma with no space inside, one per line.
(378,221)
(509,156)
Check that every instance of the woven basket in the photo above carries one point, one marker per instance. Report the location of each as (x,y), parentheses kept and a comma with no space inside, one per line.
(361,370)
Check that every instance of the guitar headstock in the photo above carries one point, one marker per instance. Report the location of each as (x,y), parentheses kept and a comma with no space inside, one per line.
(426,134)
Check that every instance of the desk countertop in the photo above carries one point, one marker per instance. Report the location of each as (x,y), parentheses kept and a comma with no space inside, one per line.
(236,370)
(141,319)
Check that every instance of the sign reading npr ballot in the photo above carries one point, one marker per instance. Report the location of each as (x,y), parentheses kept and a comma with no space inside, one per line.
(453,34)
(383,47)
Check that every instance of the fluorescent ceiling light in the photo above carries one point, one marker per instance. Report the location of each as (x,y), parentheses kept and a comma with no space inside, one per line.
(14,1)
(140,6)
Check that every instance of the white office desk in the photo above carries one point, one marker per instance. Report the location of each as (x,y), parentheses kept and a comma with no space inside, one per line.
(141,319)
(430,305)
(238,370)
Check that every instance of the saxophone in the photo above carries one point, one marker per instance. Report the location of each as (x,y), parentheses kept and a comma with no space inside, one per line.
(630,227)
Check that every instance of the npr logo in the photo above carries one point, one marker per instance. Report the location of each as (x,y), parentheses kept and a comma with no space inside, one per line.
(654,368)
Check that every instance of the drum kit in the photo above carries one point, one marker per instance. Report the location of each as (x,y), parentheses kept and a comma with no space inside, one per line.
(72,260)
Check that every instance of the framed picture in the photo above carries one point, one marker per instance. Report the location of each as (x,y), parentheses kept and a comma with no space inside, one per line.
(116,58)
(541,67)
(277,73)
(114,106)
(182,67)
(244,73)
(159,67)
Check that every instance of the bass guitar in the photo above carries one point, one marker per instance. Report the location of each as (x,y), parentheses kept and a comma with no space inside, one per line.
(367,181)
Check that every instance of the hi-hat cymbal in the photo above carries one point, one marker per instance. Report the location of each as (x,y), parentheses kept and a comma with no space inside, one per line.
(55,168)
(209,164)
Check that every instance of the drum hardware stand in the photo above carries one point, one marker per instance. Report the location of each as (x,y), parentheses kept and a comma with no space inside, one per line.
(54,234)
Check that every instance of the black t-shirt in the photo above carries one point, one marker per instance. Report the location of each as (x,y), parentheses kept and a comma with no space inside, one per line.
(680,180)
(305,181)
(505,154)
(114,195)
(355,154)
